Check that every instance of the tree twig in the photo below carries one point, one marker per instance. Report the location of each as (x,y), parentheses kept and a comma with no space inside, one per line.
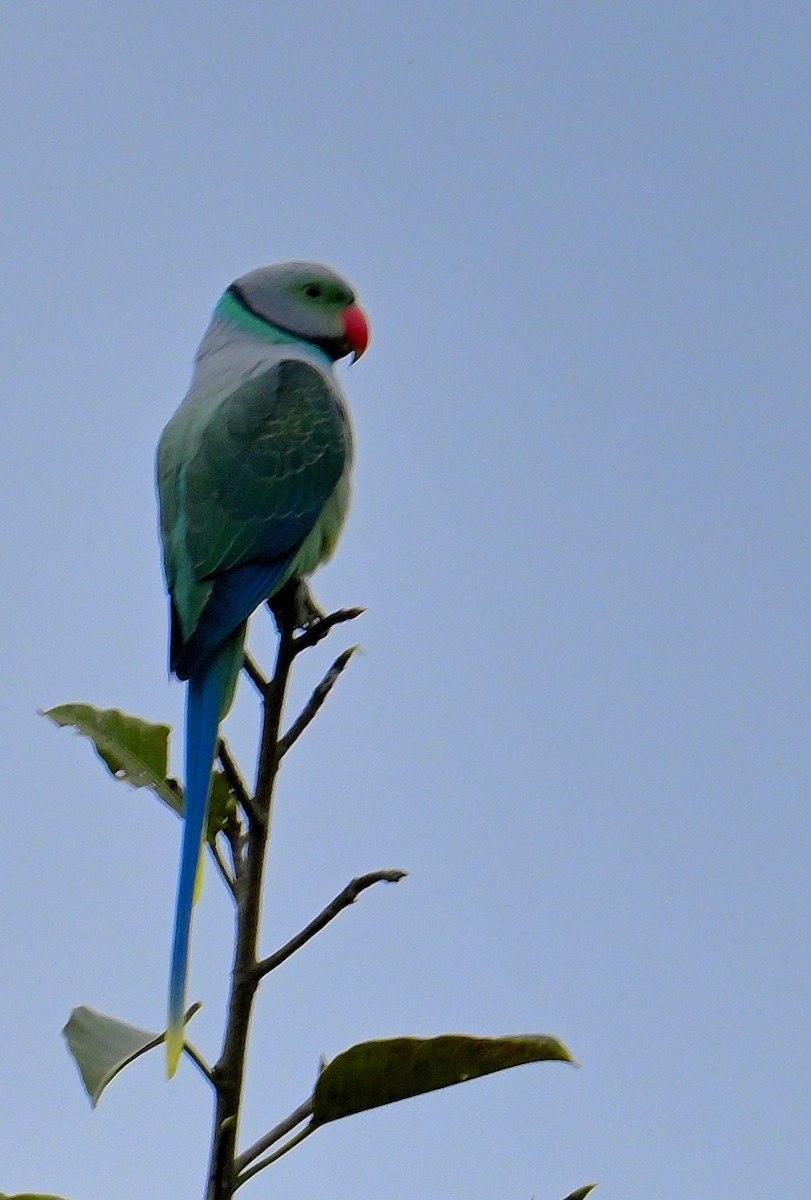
(229,1071)
(303,1111)
(319,629)
(343,900)
(222,867)
(234,834)
(232,773)
(235,781)
(255,675)
(318,697)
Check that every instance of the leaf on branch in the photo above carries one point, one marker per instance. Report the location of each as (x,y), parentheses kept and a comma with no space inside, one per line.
(102,1046)
(133,750)
(29,1196)
(222,803)
(380,1072)
(137,752)
(581,1193)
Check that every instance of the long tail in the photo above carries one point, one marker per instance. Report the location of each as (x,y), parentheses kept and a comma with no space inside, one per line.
(209,695)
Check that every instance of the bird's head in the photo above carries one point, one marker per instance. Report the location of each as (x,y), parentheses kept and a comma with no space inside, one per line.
(308,300)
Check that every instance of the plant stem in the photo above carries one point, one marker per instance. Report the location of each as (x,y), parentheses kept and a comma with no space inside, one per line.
(303,1111)
(348,896)
(229,1072)
(249,854)
(277,1154)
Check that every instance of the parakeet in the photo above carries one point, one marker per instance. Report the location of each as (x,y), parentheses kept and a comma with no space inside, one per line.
(253,476)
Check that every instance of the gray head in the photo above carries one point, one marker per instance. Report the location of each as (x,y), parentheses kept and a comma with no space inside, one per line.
(309,300)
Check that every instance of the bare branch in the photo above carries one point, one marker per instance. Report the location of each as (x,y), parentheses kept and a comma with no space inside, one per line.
(316,700)
(255,675)
(234,834)
(230,1068)
(343,900)
(222,867)
(303,1111)
(232,773)
(319,629)
(235,781)
(249,846)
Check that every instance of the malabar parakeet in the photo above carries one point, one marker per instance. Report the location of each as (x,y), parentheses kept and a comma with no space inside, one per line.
(253,474)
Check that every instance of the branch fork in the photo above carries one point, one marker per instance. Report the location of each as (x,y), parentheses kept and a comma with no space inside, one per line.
(248,848)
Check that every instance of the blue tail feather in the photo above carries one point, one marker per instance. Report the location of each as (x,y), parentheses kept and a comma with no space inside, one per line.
(208,695)
(234,597)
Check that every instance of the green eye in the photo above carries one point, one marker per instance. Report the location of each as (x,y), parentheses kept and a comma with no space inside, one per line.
(312,290)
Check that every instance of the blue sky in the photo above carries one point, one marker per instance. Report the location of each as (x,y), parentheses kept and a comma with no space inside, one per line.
(580,530)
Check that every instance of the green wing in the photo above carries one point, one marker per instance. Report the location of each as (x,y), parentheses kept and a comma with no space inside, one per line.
(270,459)
(244,479)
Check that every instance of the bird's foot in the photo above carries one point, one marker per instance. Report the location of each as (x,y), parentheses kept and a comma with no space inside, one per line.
(306,611)
(293,607)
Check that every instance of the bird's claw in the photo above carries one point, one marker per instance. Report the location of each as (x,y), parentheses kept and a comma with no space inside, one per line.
(294,608)
(305,610)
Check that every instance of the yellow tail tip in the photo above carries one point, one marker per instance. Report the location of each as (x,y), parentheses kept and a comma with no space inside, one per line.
(198,879)
(174,1049)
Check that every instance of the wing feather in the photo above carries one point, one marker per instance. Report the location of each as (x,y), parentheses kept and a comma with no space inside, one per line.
(270,457)
(243,481)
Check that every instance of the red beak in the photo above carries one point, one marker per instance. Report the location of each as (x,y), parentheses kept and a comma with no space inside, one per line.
(356,328)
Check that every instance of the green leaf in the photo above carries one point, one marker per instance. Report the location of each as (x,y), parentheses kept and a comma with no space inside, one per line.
(380,1072)
(29,1196)
(221,804)
(581,1193)
(133,750)
(102,1046)
(137,752)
